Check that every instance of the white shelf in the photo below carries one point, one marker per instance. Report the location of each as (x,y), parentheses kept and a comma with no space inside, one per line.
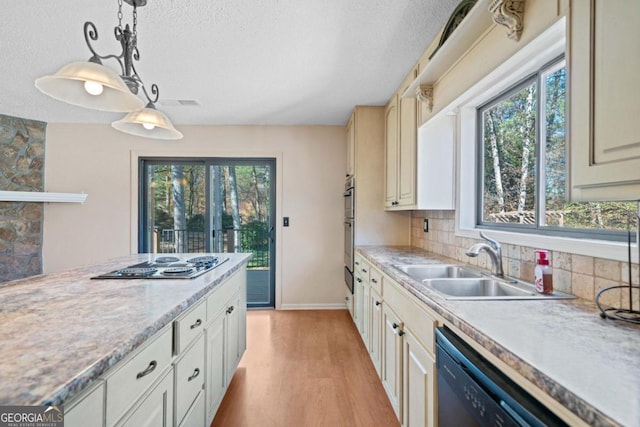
(39,196)
(468,33)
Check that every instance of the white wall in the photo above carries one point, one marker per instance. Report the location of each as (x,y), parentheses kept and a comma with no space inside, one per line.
(97,160)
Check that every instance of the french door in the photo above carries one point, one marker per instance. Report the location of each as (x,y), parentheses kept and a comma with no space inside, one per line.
(212,205)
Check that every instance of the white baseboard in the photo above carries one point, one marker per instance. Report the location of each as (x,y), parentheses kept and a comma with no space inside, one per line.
(333,306)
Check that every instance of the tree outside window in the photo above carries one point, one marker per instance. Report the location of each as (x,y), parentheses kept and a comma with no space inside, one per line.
(522,137)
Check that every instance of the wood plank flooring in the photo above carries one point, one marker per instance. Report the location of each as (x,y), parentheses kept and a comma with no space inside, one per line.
(304,368)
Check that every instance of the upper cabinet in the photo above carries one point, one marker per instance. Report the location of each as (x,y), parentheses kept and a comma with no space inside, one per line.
(604,51)
(351,147)
(400,132)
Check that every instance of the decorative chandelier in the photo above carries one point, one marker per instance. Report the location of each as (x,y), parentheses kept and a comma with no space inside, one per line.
(92,85)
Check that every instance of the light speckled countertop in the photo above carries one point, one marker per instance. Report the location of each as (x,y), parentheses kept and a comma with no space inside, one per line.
(60,332)
(590,365)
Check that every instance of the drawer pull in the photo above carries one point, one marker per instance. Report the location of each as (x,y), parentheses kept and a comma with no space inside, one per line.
(150,368)
(364,270)
(195,374)
(230,309)
(195,325)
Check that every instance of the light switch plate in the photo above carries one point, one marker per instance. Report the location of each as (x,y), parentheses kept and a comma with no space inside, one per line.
(285,221)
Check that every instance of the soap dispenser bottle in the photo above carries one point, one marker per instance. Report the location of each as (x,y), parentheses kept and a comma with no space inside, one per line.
(543,273)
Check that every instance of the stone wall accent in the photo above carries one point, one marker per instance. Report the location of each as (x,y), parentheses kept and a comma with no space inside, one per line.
(22,143)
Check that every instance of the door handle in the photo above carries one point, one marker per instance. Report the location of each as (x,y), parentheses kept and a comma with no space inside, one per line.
(272,233)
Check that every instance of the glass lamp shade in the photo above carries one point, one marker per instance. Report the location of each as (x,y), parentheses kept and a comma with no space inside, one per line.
(74,82)
(149,123)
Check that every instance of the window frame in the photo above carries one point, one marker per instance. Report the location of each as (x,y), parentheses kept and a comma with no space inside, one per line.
(536,77)
(549,44)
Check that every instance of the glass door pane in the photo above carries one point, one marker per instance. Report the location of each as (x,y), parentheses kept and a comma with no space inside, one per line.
(242,220)
(175,207)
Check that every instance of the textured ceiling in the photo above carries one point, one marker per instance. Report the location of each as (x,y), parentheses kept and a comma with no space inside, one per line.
(276,62)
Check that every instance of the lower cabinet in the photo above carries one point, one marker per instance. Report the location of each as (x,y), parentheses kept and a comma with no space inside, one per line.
(156,409)
(375,332)
(392,359)
(179,376)
(418,389)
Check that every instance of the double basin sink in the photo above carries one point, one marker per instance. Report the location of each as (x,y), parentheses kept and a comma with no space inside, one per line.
(457,282)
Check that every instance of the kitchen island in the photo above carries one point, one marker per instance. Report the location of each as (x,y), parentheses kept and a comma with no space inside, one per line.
(560,348)
(61,333)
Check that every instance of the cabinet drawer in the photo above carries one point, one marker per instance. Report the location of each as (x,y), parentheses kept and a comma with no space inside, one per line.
(189,378)
(365,269)
(189,326)
(375,279)
(136,374)
(219,297)
(418,321)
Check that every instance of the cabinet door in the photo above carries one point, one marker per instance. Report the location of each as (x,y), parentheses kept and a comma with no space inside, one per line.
(156,409)
(375,335)
(88,411)
(215,384)
(391,153)
(408,120)
(605,130)
(418,384)
(189,378)
(358,300)
(348,300)
(351,146)
(392,359)
(232,337)
(366,316)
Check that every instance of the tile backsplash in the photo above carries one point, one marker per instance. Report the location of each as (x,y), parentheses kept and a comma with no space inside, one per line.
(582,276)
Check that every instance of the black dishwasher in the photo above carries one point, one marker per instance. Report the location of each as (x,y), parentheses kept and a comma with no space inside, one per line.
(472,392)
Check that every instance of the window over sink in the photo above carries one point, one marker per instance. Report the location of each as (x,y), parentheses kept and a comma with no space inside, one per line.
(523,166)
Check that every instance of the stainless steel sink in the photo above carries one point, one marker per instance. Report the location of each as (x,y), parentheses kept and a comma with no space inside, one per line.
(455,282)
(436,271)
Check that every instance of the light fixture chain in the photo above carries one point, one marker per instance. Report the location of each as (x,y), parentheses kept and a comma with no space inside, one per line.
(135,21)
(120,14)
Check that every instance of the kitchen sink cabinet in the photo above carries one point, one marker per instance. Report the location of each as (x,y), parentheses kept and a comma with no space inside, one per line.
(604,61)
(401,137)
(419,390)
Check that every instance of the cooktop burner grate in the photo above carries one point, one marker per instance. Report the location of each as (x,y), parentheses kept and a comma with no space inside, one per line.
(166,259)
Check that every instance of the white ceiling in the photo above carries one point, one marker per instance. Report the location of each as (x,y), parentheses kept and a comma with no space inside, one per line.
(275,62)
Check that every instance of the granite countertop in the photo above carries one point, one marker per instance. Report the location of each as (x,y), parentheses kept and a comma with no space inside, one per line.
(60,332)
(588,364)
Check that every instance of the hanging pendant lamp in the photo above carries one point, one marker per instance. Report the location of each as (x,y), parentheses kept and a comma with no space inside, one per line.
(147,122)
(93,85)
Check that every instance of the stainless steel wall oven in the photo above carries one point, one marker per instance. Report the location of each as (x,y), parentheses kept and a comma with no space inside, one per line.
(349,230)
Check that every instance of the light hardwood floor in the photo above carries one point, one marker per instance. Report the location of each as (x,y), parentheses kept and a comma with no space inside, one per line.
(304,368)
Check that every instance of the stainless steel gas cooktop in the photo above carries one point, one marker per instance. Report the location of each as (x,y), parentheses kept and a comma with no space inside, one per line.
(167,267)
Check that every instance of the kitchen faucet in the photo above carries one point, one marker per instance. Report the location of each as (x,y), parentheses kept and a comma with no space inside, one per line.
(493,249)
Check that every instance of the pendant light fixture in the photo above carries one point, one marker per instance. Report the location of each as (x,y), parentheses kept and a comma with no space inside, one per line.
(93,85)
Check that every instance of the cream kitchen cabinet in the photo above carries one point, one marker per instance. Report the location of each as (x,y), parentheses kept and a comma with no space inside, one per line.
(372,225)
(351,146)
(419,394)
(375,334)
(189,373)
(156,408)
(604,62)
(87,410)
(392,358)
(225,338)
(401,137)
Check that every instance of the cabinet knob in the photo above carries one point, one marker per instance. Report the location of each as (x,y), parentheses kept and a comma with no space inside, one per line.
(394,325)
(400,333)
(374,280)
(378,303)
(196,324)
(230,309)
(195,374)
(359,280)
(150,368)
(364,270)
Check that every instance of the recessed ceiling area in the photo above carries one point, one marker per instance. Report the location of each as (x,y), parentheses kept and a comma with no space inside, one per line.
(226,62)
